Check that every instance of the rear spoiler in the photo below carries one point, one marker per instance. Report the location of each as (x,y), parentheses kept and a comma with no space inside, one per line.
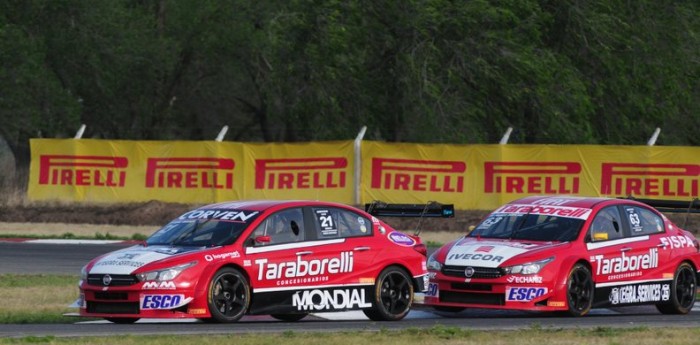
(692,206)
(431,209)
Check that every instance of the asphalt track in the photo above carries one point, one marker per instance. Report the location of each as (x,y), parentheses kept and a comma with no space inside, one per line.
(68,258)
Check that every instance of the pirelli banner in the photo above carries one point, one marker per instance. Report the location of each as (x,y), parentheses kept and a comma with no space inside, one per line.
(485,176)
(188,172)
(469,176)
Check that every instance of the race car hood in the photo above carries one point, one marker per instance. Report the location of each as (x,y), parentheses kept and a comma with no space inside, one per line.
(470,251)
(127,260)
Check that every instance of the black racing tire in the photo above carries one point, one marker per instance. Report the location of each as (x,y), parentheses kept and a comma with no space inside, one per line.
(289,317)
(579,290)
(683,289)
(449,309)
(393,295)
(228,297)
(122,320)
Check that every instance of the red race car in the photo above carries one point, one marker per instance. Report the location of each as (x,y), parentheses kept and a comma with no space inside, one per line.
(568,254)
(283,258)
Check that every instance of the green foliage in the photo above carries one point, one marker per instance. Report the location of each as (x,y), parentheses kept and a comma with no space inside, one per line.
(570,72)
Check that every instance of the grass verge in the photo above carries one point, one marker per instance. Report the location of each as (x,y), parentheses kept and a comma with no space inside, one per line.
(437,335)
(37,298)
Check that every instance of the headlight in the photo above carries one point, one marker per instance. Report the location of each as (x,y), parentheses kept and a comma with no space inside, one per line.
(165,274)
(83,273)
(434,265)
(528,268)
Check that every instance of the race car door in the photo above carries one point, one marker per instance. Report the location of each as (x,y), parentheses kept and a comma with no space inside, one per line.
(345,273)
(276,261)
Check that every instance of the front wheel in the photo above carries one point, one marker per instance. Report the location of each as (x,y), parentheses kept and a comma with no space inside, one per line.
(579,290)
(229,295)
(393,296)
(682,291)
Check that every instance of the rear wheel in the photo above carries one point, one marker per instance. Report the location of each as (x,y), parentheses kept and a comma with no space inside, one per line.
(289,317)
(229,295)
(393,296)
(579,290)
(122,320)
(682,291)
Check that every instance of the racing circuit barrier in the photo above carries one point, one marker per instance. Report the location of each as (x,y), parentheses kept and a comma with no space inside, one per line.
(468,176)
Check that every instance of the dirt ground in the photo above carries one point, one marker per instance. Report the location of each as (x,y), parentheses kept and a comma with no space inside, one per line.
(144,218)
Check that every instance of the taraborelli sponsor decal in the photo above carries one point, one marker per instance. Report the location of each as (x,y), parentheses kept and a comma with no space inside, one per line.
(532,177)
(663,180)
(302,268)
(625,263)
(337,299)
(301,173)
(95,171)
(562,211)
(189,172)
(418,175)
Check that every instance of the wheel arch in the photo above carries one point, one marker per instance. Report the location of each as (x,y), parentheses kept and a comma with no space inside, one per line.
(414,281)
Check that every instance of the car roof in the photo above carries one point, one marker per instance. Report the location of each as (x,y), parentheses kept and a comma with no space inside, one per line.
(570,201)
(262,205)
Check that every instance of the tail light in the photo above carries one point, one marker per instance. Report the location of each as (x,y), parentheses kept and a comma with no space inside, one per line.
(421,248)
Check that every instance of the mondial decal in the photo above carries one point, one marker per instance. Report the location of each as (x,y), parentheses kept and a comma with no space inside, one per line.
(330,299)
(69,170)
(624,263)
(304,268)
(531,177)
(418,175)
(664,180)
(189,172)
(301,173)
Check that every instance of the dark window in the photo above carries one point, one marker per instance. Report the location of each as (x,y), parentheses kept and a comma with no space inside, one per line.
(643,221)
(282,227)
(339,223)
(606,225)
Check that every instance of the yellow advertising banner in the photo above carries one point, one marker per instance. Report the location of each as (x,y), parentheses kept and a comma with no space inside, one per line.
(316,170)
(126,171)
(468,176)
(486,176)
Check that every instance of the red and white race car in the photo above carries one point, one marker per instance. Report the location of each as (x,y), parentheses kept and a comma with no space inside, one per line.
(568,254)
(283,258)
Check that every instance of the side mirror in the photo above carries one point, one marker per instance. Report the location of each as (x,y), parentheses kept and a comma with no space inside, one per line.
(600,236)
(263,239)
(471,228)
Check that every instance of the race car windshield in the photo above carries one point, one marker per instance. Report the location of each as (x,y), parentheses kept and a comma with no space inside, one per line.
(207,232)
(529,227)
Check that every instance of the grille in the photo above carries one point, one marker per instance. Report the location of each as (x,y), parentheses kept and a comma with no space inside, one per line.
(113,308)
(472,298)
(111,296)
(479,272)
(472,287)
(117,279)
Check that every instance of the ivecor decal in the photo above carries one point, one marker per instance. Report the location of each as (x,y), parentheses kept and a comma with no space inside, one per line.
(301,173)
(303,268)
(468,254)
(532,177)
(336,299)
(401,239)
